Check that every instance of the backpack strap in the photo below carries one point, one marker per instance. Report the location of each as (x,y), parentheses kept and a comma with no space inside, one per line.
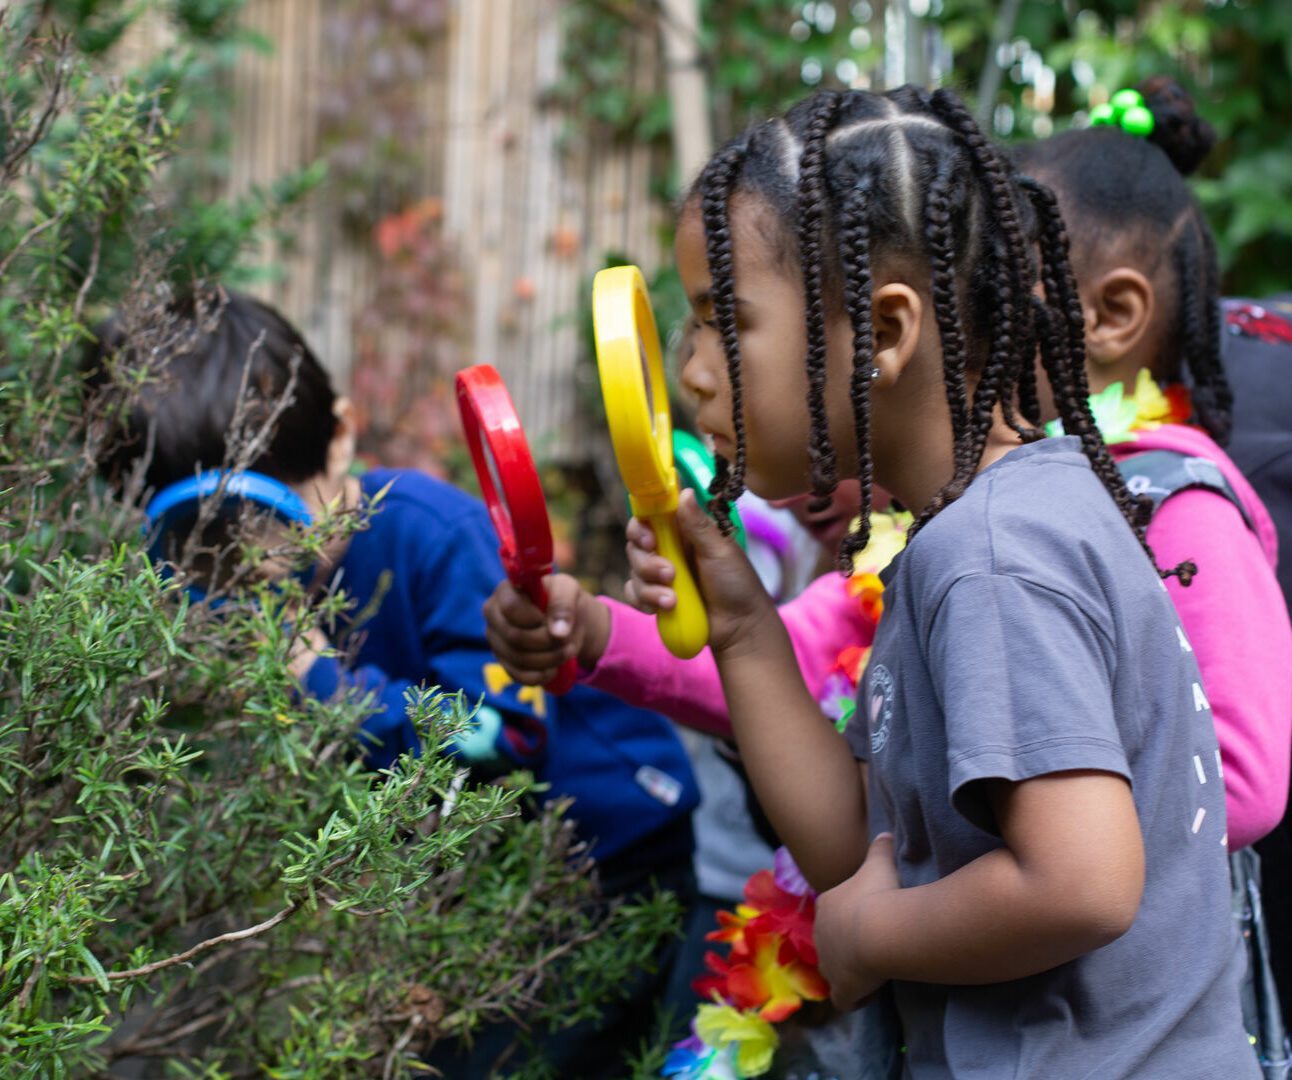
(1159,474)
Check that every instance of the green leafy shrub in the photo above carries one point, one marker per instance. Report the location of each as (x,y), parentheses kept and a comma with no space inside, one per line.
(196,876)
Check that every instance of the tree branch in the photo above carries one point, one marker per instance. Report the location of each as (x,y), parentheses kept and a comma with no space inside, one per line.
(188,954)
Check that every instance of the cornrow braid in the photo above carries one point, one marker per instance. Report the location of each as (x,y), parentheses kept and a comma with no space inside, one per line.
(812,208)
(946,305)
(853,178)
(946,312)
(715,186)
(854,252)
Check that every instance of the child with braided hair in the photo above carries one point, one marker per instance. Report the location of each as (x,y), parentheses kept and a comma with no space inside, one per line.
(1146,268)
(1038,820)
(1146,265)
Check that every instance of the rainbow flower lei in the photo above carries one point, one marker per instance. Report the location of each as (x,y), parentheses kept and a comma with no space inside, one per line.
(838,698)
(1120,415)
(771,968)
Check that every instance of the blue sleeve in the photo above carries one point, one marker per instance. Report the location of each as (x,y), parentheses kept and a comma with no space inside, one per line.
(388,732)
(455,576)
(441,574)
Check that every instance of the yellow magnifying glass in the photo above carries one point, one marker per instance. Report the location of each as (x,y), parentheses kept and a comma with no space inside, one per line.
(632,381)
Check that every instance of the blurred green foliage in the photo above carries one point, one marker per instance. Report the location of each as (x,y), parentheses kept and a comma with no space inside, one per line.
(1058,57)
(1234,56)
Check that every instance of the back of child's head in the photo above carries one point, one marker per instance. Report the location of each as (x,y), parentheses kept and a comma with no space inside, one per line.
(863,187)
(1125,196)
(226,374)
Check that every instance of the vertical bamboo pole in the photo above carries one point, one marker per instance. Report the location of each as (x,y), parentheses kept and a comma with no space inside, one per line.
(688,95)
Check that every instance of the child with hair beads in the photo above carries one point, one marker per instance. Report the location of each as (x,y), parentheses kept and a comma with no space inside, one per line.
(1039,845)
(1146,266)
(1148,281)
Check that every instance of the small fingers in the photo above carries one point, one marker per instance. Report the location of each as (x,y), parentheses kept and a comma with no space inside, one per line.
(649,598)
(563,594)
(641,535)
(522,642)
(531,667)
(509,605)
(650,568)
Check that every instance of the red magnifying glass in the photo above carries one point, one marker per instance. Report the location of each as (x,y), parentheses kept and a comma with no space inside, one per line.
(511,489)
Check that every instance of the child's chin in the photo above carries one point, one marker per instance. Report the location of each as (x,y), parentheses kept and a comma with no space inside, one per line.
(769,488)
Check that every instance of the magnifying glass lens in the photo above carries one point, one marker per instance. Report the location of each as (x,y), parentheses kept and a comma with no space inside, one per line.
(649,383)
(496,479)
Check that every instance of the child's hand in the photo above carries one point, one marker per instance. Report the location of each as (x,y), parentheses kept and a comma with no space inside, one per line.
(837,921)
(530,644)
(733,595)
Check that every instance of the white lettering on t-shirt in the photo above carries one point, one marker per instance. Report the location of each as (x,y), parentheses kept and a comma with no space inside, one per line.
(1200,701)
(1184,641)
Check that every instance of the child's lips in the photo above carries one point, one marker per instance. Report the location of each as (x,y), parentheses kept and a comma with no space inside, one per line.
(718,443)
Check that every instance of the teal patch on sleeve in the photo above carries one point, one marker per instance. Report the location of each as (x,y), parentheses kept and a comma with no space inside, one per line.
(479,743)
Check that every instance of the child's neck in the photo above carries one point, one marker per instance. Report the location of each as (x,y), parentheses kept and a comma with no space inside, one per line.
(927,466)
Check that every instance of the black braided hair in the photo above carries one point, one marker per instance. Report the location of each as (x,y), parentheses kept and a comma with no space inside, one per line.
(856,179)
(1062,347)
(715,185)
(1128,194)
(854,251)
(812,208)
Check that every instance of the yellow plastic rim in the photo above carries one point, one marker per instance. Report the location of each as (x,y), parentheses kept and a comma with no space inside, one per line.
(631,364)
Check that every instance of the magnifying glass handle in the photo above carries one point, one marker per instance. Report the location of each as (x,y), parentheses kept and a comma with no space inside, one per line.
(685,629)
(563,681)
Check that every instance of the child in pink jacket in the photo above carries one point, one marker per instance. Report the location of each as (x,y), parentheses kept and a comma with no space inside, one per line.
(1235,619)
(1146,270)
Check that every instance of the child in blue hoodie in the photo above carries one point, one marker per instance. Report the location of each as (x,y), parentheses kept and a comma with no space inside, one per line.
(418,575)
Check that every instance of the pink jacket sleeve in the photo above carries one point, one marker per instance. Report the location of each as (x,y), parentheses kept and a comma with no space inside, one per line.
(822,621)
(1235,618)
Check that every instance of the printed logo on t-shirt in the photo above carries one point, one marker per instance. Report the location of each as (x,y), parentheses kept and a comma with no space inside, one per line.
(879,705)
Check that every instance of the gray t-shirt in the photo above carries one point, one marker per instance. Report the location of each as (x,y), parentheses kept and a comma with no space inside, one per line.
(1025,633)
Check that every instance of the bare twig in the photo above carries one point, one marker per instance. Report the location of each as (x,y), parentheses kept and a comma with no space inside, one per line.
(188,954)
(23,241)
(57,85)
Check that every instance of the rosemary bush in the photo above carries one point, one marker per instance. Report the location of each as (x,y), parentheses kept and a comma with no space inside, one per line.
(196,876)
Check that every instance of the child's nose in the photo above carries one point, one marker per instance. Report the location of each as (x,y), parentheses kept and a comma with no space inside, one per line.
(699,375)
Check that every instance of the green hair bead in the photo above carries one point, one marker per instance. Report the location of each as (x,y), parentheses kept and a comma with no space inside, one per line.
(1137,120)
(1103,114)
(1126,99)
(1125,109)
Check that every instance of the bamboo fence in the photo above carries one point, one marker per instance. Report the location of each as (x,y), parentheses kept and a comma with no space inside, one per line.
(530,205)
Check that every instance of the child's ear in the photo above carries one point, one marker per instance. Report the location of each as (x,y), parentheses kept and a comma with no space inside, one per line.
(340,451)
(897,316)
(1118,306)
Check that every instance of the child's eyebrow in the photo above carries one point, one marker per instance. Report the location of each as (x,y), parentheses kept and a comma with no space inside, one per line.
(704,298)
